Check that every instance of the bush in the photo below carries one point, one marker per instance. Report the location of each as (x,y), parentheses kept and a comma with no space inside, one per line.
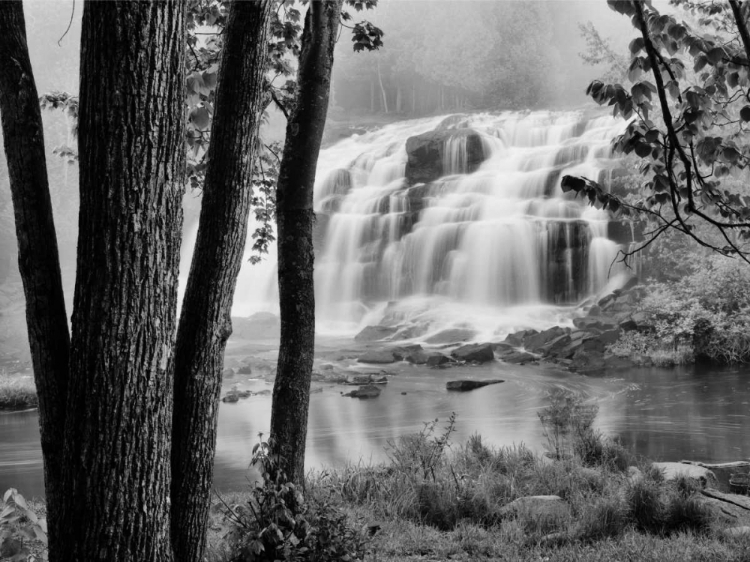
(276,524)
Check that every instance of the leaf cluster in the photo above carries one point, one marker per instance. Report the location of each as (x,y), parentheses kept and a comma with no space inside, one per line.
(20,528)
(687,123)
(276,523)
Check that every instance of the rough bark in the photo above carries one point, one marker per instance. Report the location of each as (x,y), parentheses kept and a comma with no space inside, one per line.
(38,259)
(205,322)
(295,217)
(131,146)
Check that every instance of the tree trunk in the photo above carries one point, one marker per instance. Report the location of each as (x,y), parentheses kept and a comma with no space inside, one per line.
(291,391)
(372,95)
(205,321)
(38,259)
(132,166)
(413,98)
(382,90)
(399,102)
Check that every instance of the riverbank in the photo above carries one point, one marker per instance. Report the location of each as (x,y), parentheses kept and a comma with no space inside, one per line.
(17,392)
(434,501)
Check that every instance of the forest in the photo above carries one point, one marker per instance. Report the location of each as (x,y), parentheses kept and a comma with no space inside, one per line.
(497,250)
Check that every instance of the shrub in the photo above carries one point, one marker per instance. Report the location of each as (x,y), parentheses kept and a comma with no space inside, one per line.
(566,421)
(23,534)
(276,524)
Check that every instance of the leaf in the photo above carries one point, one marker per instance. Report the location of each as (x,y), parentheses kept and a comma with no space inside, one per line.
(636,45)
(200,117)
(715,55)
(745,113)
(572,183)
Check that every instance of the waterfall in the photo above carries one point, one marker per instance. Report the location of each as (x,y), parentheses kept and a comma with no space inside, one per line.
(458,221)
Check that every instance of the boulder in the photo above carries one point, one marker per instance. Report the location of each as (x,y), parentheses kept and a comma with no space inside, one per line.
(362,380)
(422,357)
(452,335)
(518,357)
(464,385)
(479,353)
(628,325)
(587,362)
(227,373)
(536,341)
(245,369)
(375,333)
(402,352)
(609,336)
(231,398)
(367,391)
(378,356)
(516,340)
(673,470)
(556,346)
(436,359)
(595,323)
(545,511)
(426,154)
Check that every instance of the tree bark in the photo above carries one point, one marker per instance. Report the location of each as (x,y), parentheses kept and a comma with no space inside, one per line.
(205,321)
(38,259)
(131,146)
(294,198)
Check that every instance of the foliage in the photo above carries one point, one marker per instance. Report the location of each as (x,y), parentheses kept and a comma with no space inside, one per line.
(707,313)
(424,450)
(599,51)
(276,523)
(17,392)
(688,126)
(566,421)
(23,534)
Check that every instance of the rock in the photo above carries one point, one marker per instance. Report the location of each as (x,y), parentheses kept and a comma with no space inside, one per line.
(426,154)
(595,323)
(402,352)
(556,346)
(724,471)
(628,325)
(736,532)
(587,362)
(452,335)
(536,341)
(231,398)
(518,357)
(367,391)
(360,380)
(634,474)
(245,369)
(516,340)
(375,333)
(227,373)
(464,385)
(734,499)
(452,122)
(545,511)
(609,336)
(641,320)
(437,360)
(503,347)
(673,470)
(422,357)
(594,311)
(479,353)
(379,356)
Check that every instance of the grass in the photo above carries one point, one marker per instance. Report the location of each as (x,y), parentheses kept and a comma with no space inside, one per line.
(17,392)
(436,501)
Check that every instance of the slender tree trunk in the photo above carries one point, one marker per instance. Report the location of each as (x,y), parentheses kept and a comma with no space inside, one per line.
(38,258)
(372,95)
(205,322)
(413,97)
(119,416)
(382,90)
(291,391)
(399,102)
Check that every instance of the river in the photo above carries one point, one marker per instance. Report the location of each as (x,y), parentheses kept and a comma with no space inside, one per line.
(689,412)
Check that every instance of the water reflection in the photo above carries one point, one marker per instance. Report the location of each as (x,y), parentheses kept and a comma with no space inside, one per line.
(664,414)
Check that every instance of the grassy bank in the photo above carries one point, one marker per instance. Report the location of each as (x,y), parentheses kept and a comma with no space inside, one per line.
(17,392)
(436,501)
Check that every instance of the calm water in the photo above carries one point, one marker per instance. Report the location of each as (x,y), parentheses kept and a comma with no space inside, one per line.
(665,414)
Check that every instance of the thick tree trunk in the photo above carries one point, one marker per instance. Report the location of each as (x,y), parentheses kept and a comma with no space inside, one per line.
(119,416)
(205,322)
(291,391)
(38,259)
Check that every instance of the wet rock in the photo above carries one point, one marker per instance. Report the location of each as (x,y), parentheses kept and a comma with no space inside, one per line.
(464,385)
(478,353)
(367,391)
(438,360)
(517,338)
(587,362)
(231,398)
(536,341)
(402,352)
(363,380)
(452,335)
(555,347)
(378,356)
(609,337)
(595,323)
(227,373)
(628,325)
(426,153)
(375,333)
(245,369)
(518,357)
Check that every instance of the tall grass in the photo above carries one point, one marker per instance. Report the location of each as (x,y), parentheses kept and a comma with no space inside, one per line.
(17,392)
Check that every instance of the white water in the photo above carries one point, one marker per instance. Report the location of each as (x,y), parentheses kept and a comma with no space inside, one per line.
(497,250)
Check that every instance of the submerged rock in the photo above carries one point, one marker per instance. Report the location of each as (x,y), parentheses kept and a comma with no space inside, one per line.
(464,385)
(428,154)
(367,391)
(479,353)
(379,356)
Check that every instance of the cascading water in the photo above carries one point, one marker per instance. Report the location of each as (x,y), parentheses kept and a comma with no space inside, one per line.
(459,221)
